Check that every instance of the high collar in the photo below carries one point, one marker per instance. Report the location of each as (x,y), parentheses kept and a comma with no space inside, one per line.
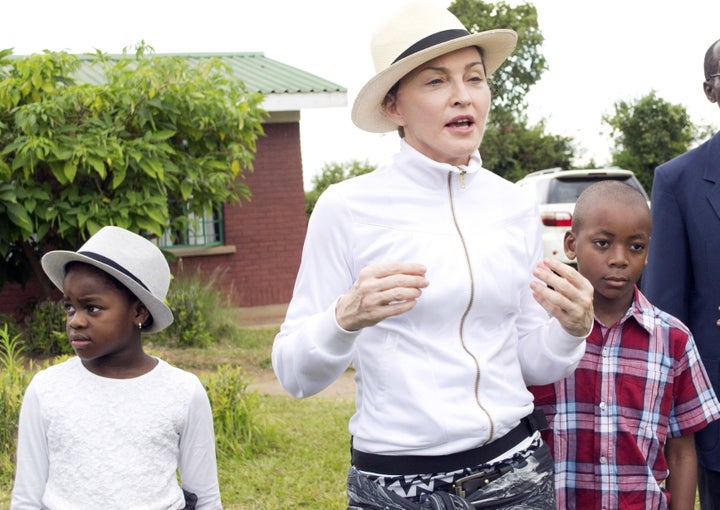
(429,173)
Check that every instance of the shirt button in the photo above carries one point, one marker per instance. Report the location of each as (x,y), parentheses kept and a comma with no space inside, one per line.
(605,352)
(602,406)
(603,460)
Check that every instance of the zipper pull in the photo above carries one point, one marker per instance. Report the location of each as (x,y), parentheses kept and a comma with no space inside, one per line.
(462,177)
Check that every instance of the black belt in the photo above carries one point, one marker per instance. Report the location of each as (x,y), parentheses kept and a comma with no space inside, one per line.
(423,464)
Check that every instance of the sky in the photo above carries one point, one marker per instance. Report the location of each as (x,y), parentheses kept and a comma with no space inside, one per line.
(598,52)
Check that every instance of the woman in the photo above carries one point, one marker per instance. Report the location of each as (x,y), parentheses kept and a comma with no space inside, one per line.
(419,275)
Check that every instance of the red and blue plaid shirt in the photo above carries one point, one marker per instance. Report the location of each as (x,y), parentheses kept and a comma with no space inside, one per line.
(639,382)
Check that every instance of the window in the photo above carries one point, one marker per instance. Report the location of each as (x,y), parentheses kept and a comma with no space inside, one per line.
(207,231)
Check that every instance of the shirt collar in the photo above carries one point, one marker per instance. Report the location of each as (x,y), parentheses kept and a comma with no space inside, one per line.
(428,172)
(641,310)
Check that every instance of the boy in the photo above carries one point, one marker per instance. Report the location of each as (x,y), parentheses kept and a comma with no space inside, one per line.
(623,422)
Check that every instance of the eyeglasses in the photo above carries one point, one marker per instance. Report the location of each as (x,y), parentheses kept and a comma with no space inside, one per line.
(713,76)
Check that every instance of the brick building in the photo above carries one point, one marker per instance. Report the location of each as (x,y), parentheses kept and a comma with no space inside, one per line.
(255,246)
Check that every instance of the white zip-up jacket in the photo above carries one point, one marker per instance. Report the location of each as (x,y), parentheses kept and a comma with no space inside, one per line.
(450,374)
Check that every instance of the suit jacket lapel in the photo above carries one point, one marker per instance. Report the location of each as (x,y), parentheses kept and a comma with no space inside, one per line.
(710,162)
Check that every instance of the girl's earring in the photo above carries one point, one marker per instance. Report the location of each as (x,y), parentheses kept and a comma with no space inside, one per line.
(139,325)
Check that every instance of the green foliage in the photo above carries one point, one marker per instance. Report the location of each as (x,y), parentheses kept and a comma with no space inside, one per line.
(202,314)
(235,408)
(512,149)
(332,173)
(155,141)
(648,132)
(44,330)
(12,324)
(309,466)
(13,381)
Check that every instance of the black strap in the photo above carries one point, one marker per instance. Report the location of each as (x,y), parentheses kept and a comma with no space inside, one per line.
(113,264)
(423,464)
(432,40)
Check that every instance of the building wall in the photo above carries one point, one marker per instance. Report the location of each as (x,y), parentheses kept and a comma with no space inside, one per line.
(14,298)
(267,232)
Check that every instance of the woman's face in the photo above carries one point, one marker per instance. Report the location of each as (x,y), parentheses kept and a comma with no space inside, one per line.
(443,106)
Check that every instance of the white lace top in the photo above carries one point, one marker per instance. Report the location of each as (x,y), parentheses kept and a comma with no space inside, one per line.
(90,442)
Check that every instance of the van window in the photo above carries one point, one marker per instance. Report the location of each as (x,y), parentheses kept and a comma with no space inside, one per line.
(564,190)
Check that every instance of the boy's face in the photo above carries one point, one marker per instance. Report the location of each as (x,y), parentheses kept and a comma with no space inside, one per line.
(610,248)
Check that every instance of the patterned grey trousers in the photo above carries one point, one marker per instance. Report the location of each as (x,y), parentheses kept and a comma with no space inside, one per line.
(527,485)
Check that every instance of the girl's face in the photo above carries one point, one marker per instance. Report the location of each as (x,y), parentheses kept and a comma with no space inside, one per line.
(102,318)
(443,106)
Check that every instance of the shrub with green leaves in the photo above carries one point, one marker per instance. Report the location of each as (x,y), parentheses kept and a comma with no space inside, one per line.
(44,330)
(235,410)
(14,378)
(9,321)
(148,143)
(202,313)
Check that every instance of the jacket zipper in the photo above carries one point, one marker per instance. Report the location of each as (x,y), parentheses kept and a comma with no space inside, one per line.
(469,305)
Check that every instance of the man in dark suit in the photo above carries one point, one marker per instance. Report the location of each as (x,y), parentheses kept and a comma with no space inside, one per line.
(683,272)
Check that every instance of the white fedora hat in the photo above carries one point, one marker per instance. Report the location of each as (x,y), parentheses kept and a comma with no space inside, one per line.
(129,258)
(415,34)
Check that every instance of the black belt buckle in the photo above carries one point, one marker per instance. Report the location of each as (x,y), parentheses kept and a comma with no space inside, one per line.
(468,484)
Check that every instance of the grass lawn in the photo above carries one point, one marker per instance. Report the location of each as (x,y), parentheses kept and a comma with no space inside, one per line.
(307,466)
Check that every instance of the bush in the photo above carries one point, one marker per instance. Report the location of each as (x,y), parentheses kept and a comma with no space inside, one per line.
(44,330)
(235,410)
(201,312)
(14,378)
(9,322)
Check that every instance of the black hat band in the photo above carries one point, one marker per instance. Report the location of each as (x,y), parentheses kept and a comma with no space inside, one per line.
(433,40)
(101,258)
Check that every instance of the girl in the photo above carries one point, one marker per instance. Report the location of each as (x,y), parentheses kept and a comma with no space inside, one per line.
(112,427)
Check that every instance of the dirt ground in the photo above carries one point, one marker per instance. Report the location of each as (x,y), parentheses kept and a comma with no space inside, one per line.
(343,387)
(266,382)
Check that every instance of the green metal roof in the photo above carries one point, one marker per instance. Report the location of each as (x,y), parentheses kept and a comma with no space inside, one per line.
(255,70)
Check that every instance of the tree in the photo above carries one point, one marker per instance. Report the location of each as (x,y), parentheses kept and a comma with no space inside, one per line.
(155,142)
(513,149)
(648,132)
(332,173)
(510,147)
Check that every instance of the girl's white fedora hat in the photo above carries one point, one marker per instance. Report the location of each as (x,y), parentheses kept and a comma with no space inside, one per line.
(415,34)
(129,258)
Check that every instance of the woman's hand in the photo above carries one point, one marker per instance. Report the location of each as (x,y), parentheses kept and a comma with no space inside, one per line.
(567,295)
(381,291)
